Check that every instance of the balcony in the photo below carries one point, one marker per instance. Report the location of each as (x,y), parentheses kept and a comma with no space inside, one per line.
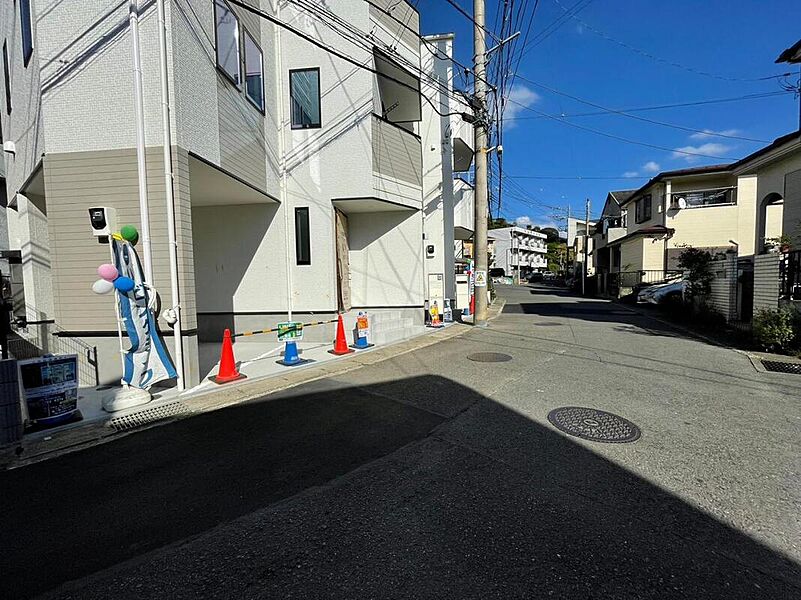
(463,210)
(462,134)
(397,164)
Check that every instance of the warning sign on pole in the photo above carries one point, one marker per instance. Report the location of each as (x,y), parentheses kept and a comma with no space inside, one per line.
(481,279)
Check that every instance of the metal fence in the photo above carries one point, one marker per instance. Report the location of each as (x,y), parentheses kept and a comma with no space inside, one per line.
(790,275)
(631,279)
(33,339)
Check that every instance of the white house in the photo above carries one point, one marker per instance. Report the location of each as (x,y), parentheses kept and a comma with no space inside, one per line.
(297,151)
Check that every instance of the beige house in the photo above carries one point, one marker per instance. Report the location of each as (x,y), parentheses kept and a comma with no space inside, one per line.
(709,207)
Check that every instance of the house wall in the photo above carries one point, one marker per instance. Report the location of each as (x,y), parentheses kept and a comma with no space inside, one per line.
(24,227)
(386,258)
(439,196)
(791,215)
(642,254)
(714,226)
(75,181)
(782,177)
(656,191)
(329,162)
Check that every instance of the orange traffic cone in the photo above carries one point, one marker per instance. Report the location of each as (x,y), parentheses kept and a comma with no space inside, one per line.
(340,343)
(227,370)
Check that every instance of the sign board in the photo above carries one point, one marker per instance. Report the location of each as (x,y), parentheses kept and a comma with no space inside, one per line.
(50,388)
(362,326)
(290,331)
(481,279)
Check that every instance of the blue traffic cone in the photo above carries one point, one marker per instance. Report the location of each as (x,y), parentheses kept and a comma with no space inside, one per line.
(291,356)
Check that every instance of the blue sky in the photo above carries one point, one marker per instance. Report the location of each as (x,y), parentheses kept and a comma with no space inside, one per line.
(730,40)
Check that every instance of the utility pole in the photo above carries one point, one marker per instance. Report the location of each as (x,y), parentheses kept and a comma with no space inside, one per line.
(480,144)
(586,248)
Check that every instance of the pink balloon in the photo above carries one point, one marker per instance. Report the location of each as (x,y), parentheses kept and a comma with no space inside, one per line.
(108,272)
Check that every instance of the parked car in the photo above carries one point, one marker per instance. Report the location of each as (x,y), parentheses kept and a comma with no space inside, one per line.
(655,294)
(536,277)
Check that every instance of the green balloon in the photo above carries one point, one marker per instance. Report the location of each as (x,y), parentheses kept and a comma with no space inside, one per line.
(129,233)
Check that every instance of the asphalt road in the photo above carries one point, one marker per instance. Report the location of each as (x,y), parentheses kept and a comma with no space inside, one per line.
(433,476)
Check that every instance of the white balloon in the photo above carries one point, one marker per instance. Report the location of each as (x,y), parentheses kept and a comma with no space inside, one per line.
(102,286)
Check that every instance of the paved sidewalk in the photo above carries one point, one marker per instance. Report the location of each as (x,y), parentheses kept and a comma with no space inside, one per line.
(49,444)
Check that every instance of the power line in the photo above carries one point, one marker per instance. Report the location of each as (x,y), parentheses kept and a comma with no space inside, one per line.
(617,137)
(662,60)
(662,106)
(363,40)
(559,22)
(429,46)
(470,18)
(644,119)
(336,53)
(578,177)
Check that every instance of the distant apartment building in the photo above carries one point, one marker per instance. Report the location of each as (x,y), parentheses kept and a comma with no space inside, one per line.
(298,169)
(518,251)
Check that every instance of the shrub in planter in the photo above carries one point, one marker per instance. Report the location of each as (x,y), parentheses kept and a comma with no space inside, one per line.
(774,329)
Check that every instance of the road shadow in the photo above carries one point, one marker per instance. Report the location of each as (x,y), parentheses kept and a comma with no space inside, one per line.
(431,518)
(597,311)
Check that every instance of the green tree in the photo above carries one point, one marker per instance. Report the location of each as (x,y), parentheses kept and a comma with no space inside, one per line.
(498,223)
(552,233)
(698,265)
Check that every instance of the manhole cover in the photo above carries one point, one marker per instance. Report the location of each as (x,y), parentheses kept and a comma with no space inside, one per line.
(594,425)
(489,357)
(782,367)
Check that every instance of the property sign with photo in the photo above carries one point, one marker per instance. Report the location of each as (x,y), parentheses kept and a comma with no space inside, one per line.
(362,326)
(290,331)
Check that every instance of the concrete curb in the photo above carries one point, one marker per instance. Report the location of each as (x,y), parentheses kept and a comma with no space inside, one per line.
(36,450)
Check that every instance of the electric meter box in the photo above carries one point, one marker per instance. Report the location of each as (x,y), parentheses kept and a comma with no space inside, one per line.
(104,220)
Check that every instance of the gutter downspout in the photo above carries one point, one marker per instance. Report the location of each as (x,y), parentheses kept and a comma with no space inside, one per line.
(170,196)
(144,213)
(282,193)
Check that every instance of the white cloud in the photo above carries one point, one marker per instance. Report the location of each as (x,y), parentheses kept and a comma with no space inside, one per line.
(708,133)
(710,149)
(523,221)
(519,98)
(630,174)
(651,167)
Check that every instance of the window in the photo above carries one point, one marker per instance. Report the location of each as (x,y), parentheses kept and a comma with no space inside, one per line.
(704,198)
(304,95)
(254,72)
(26,29)
(6,78)
(302,239)
(642,209)
(226,28)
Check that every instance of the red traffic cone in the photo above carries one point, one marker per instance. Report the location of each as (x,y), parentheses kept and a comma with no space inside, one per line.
(227,370)
(340,343)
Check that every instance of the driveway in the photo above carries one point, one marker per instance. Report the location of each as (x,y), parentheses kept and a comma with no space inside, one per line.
(431,475)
